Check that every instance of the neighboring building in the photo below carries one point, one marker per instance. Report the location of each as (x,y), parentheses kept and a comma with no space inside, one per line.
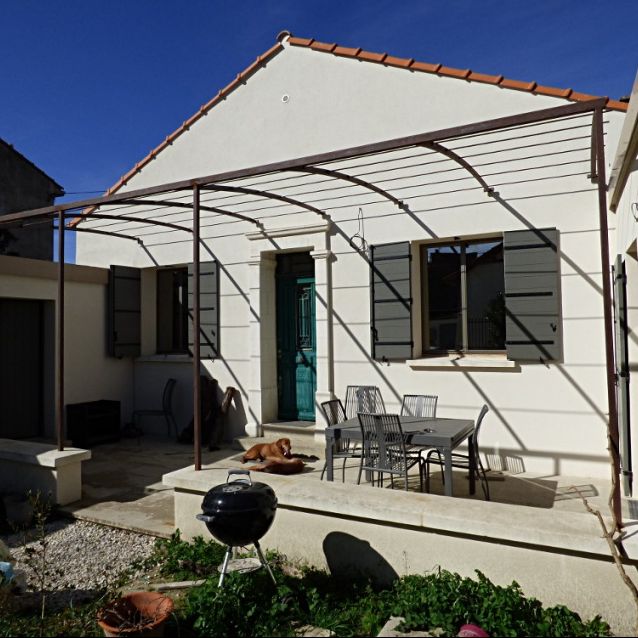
(295,315)
(24,186)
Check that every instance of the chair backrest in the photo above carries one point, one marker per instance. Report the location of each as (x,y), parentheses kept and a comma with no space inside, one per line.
(419,405)
(167,396)
(363,398)
(484,410)
(334,411)
(383,443)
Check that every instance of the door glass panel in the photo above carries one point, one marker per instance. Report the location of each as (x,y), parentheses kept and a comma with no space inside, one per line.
(304,316)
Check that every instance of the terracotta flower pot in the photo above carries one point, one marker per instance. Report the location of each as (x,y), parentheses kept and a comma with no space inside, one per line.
(137,614)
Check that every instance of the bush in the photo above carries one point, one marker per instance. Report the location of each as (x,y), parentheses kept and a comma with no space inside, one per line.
(448,601)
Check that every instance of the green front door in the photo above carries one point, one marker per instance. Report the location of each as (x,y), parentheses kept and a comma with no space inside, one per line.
(296,343)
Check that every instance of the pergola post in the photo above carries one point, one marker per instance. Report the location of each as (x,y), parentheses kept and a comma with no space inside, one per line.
(59,420)
(613,436)
(197,410)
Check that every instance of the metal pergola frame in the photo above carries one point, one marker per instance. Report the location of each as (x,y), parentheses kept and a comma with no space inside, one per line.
(432,141)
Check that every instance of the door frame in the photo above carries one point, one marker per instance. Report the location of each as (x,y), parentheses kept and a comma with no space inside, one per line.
(262,387)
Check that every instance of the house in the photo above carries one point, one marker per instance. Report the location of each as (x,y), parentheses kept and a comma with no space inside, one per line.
(296,315)
(344,217)
(24,186)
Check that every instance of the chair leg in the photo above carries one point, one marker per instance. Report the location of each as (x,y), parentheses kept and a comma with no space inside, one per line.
(343,471)
(483,478)
(325,465)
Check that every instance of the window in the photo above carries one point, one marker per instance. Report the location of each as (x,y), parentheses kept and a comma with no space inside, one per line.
(463,296)
(172,311)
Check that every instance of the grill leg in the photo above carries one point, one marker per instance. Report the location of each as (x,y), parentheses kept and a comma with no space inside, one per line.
(262,560)
(229,551)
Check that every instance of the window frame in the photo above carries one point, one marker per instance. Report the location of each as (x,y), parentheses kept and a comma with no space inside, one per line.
(424,319)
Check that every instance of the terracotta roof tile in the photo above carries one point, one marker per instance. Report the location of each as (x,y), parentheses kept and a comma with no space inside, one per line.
(454,73)
(486,79)
(300,42)
(617,105)
(391,60)
(552,91)
(369,56)
(346,52)
(323,46)
(506,83)
(426,67)
(582,97)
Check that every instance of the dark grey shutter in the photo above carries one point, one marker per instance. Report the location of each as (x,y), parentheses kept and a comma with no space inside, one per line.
(124,312)
(532,298)
(208,309)
(391,301)
(622,372)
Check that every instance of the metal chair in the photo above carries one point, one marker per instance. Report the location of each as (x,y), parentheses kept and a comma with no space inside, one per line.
(419,405)
(384,449)
(363,398)
(462,461)
(343,447)
(166,411)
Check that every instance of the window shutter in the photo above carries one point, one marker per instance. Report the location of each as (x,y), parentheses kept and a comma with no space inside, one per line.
(208,309)
(124,312)
(391,301)
(533,329)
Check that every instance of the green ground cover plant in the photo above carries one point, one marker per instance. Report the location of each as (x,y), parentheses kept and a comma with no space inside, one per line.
(251,605)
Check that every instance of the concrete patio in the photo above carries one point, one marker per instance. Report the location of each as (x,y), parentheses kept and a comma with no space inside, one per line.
(122,484)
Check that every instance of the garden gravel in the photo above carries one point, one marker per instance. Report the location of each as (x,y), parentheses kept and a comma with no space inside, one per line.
(81,556)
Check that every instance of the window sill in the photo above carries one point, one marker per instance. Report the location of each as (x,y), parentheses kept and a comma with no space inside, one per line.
(165,358)
(460,361)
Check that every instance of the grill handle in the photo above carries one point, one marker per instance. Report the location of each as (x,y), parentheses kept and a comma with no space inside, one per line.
(245,473)
(204,518)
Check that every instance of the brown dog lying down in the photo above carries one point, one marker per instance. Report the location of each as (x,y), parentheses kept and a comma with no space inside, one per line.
(277,458)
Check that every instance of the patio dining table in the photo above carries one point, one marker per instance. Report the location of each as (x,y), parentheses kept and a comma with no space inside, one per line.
(428,432)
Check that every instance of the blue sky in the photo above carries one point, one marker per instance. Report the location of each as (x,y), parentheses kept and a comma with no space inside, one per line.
(88,87)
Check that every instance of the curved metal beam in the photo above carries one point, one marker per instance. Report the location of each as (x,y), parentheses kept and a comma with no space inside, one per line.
(212,209)
(315,170)
(130,218)
(265,194)
(439,148)
(76,229)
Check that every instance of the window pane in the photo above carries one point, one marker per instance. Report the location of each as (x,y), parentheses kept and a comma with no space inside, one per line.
(443,297)
(172,311)
(485,296)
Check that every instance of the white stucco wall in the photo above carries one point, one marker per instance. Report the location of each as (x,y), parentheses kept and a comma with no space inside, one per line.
(90,374)
(546,418)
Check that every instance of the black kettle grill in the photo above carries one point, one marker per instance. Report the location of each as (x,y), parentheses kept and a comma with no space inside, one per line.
(238,513)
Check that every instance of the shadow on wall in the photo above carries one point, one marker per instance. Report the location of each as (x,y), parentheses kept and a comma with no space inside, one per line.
(351,558)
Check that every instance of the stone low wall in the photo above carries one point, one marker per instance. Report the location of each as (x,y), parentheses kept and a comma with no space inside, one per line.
(40,467)
(557,557)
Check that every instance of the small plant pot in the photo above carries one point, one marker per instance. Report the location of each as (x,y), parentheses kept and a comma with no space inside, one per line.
(138,614)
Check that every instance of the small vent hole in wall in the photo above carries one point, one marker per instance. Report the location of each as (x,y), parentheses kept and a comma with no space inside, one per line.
(285,98)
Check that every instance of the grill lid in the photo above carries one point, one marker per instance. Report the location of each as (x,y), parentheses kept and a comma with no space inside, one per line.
(239,495)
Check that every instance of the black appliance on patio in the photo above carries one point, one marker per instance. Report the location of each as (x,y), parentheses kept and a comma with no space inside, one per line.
(238,513)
